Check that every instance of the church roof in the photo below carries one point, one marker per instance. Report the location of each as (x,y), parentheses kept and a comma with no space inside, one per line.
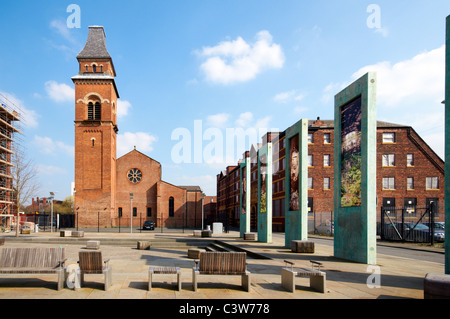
(191,188)
(96,45)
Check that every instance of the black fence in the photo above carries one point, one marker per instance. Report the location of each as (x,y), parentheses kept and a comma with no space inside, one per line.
(411,224)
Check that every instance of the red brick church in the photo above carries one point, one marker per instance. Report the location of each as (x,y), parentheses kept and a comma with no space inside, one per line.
(111,191)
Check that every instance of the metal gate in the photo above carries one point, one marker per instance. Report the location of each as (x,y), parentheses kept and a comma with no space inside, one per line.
(410,224)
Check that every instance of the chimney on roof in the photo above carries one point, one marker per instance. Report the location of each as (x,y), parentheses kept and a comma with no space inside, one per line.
(318,122)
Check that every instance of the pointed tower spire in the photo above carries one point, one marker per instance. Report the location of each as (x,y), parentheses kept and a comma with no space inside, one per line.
(95,47)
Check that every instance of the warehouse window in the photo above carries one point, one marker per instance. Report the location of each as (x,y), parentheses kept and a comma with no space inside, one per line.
(388,138)
(432,183)
(389,183)
(388,160)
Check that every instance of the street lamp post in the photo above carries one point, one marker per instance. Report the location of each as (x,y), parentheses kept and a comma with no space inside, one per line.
(131,213)
(52,197)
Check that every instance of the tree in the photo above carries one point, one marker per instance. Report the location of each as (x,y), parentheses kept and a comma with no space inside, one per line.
(24,183)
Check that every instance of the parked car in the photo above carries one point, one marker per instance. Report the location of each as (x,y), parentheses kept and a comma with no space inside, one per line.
(148,225)
(421,232)
(326,228)
(437,225)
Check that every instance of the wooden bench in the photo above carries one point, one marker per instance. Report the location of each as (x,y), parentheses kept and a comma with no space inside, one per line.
(317,278)
(91,262)
(222,264)
(42,261)
(164,271)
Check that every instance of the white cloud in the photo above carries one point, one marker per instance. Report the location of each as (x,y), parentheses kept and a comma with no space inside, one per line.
(27,117)
(50,147)
(420,78)
(122,108)
(50,170)
(59,92)
(127,141)
(61,28)
(288,96)
(238,61)
(218,120)
(409,92)
(244,119)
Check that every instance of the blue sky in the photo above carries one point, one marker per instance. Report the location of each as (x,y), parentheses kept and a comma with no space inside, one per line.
(225,64)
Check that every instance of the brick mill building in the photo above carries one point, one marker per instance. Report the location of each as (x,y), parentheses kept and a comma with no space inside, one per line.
(409,174)
(111,191)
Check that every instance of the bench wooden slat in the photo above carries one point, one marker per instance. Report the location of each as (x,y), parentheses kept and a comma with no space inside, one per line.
(91,262)
(37,259)
(223,263)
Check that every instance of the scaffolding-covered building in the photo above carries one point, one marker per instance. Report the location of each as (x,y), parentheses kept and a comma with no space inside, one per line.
(9,127)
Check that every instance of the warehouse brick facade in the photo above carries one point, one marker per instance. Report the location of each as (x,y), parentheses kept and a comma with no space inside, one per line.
(409,173)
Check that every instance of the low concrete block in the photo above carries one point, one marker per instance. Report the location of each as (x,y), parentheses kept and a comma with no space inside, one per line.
(206,233)
(302,246)
(250,236)
(143,245)
(197,233)
(436,286)
(78,233)
(194,253)
(93,244)
(65,233)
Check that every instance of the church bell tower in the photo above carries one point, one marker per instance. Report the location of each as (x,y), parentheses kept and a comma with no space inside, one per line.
(95,132)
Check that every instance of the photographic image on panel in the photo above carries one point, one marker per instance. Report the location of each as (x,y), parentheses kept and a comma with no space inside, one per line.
(244,191)
(351,154)
(294,164)
(263,198)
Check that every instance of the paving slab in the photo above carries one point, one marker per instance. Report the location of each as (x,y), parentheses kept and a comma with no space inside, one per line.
(400,277)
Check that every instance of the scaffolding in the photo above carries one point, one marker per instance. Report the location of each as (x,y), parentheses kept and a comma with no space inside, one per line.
(10,132)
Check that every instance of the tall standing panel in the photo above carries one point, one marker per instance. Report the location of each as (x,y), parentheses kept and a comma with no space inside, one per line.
(245,193)
(296,182)
(447,149)
(355,171)
(265,193)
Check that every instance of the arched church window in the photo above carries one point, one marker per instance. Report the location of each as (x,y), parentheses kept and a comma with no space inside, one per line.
(134,175)
(90,111)
(171,207)
(98,111)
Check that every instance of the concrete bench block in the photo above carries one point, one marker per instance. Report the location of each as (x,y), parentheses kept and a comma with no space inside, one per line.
(197,233)
(143,245)
(302,246)
(436,286)
(206,233)
(250,236)
(194,253)
(65,233)
(78,234)
(93,244)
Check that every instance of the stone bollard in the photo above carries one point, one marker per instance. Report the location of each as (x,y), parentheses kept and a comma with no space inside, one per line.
(302,246)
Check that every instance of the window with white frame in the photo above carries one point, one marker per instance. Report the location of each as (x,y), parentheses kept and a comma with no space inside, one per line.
(388,160)
(410,160)
(326,183)
(310,161)
(327,138)
(388,138)
(310,138)
(432,183)
(410,183)
(326,160)
(389,183)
